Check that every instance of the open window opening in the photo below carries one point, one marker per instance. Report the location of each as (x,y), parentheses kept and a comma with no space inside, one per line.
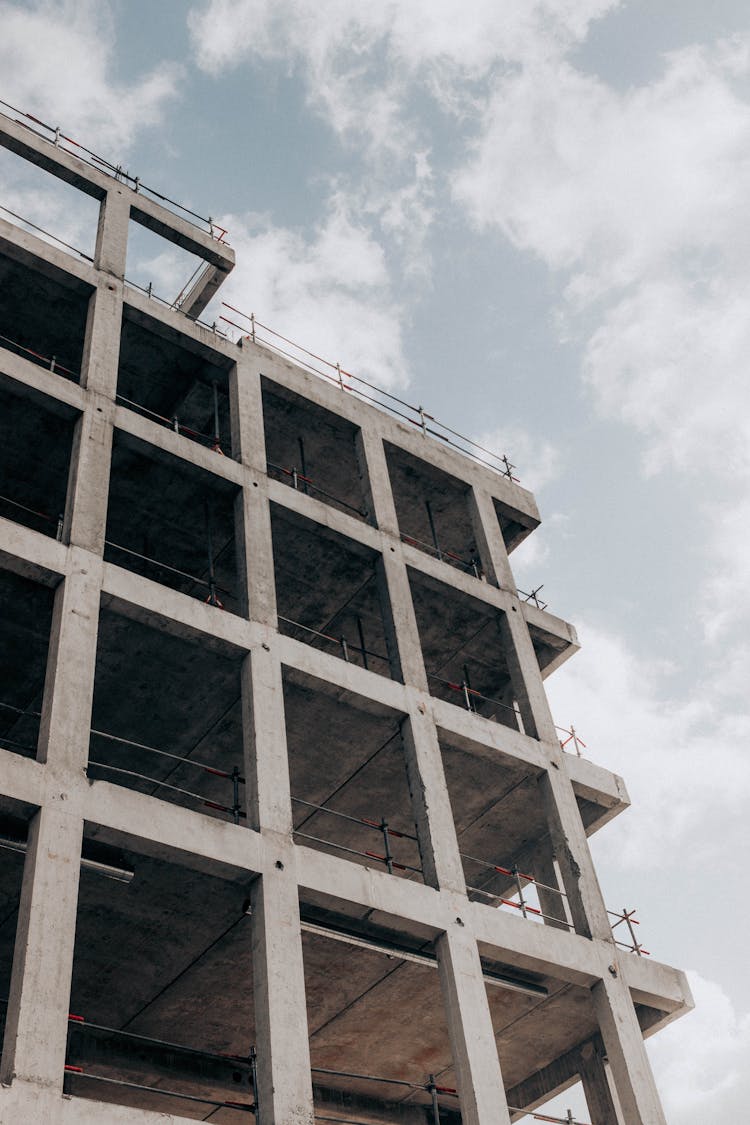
(25,623)
(167,719)
(173,523)
(167,1024)
(350,791)
(464,651)
(502,832)
(43,313)
(368,979)
(328,591)
(433,510)
(47,207)
(35,458)
(176,382)
(160,267)
(313,450)
(558,1018)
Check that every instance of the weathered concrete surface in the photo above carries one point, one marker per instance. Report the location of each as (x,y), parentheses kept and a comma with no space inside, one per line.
(135,699)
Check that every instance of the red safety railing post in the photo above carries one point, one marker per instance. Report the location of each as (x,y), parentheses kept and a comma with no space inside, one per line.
(236,807)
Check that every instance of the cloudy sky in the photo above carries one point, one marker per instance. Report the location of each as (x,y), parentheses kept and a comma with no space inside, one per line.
(529,216)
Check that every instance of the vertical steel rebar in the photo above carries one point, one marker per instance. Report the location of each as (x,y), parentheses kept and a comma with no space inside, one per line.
(303,465)
(466,685)
(254,1080)
(362,648)
(236,809)
(519,888)
(217,436)
(212,598)
(387,845)
(432,1091)
(435,542)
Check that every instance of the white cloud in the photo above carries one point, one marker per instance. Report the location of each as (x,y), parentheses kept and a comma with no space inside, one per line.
(636,199)
(330,291)
(57,56)
(683,758)
(700,1062)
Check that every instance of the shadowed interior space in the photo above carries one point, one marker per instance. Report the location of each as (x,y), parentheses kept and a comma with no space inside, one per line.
(174,380)
(313,450)
(14,823)
(173,523)
(464,652)
(559,1018)
(362,993)
(502,831)
(25,623)
(167,718)
(328,592)
(43,312)
(34,457)
(433,510)
(162,990)
(349,785)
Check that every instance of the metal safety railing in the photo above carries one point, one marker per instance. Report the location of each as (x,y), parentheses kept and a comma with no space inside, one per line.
(471,697)
(435,1092)
(54,134)
(347,381)
(387,833)
(73,1070)
(522,881)
(470,566)
(300,481)
(233,776)
(212,440)
(347,648)
(39,358)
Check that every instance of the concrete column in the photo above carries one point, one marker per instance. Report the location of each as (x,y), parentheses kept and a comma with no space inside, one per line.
(88,482)
(402,635)
(566,829)
(255,550)
(593,1075)
(376,481)
(252,511)
(37,1025)
(489,540)
(111,250)
(284,1080)
(246,409)
(71,665)
(269,806)
(626,1053)
(436,830)
(399,619)
(478,1076)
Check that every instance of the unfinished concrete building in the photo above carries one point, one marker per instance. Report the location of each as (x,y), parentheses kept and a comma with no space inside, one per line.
(287,831)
